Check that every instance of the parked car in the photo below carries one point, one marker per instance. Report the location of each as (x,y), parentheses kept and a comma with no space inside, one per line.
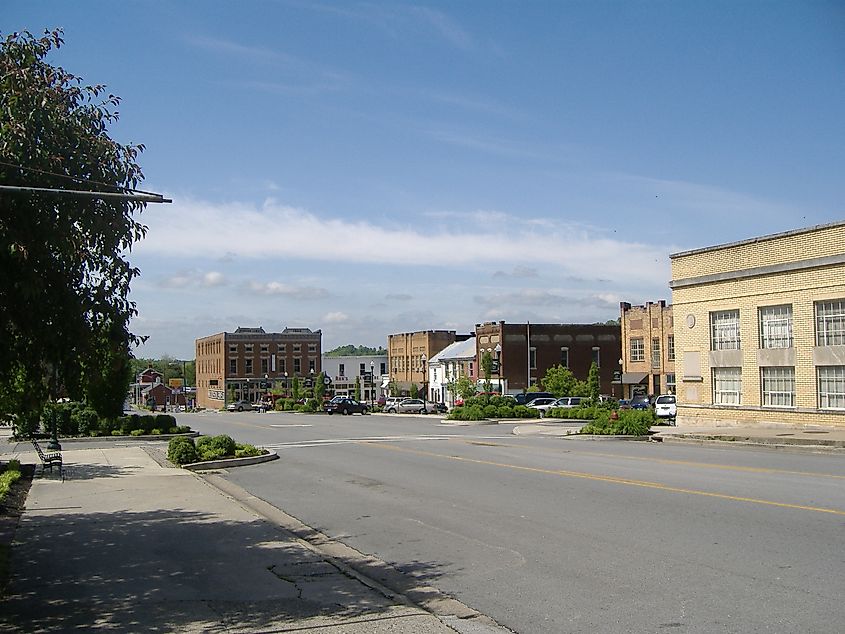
(346,406)
(526,397)
(239,406)
(639,401)
(409,406)
(665,406)
(570,401)
(543,404)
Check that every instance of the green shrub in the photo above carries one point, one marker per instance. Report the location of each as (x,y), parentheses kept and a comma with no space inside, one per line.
(629,423)
(10,475)
(137,432)
(164,421)
(183,429)
(173,430)
(225,444)
(115,432)
(246,451)
(181,450)
(521,411)
(155,432)
(86,420)
(490,411)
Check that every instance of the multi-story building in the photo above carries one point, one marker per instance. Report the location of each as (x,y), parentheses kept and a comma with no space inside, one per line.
(648,350)
(408,354)
(244,364)
(524,352)
(450,364)
(370,371)
(761,329)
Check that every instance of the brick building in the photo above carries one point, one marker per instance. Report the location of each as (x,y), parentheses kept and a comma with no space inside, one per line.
(761,329)
(648,350)
(245,363)
(526,351)
(408,354)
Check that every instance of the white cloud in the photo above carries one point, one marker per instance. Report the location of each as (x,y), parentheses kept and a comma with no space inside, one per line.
(287,290)
(193,278)
(193,228)
(335,318)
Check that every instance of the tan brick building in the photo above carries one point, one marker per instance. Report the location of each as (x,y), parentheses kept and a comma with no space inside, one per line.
(761,329)
(406,352)
(245,363)
(648,350)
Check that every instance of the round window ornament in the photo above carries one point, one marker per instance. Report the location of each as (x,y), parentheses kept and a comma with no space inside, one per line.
(690,321)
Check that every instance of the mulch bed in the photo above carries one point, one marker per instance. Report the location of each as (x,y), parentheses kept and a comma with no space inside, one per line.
(11,509)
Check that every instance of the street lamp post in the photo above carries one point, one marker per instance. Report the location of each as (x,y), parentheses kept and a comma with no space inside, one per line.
(498,351)
(372,383)
(621,385)
(287,393)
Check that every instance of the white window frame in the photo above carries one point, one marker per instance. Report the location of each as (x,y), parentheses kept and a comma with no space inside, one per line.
(831,379)
(724,330)
(830,323)
(597,356)
(637,349)
(670,347)
(776,326)
(727,386)
(532,358)
(655,352)
(777,385)
(564,357)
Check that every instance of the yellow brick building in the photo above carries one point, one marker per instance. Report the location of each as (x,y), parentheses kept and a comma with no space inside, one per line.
(760,330)
(648,350)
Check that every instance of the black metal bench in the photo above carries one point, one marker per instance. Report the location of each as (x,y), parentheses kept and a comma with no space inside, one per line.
(49,460)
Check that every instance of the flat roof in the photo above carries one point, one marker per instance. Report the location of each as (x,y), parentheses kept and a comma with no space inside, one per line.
(772,236)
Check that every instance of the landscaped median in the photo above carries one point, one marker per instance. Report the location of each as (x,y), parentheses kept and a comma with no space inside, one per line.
(214,452)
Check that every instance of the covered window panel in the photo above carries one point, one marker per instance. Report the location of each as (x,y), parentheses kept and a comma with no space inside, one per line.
(830,323)
(776,326)
(727,386)
(832,387)
(724,330)
(778,385)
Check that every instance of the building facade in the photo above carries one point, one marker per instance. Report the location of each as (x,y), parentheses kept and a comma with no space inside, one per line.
(345,371)
(524,352)
(447,366)
(246,363)
(648,350)
(408,354)
(761,329)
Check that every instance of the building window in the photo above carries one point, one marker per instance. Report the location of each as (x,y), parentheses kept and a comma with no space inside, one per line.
(776,326)
(362,368)
(265,365)
(832,387)
(637,349)
(297,347)
(724,330)
(297,365)
(532,358)
(248,368)
(670,348)
(312,347)
(830,323)
(727,386)
(655,352)
(233,366)
(341,369)
(282,347)
(778,387)
(564,357)
(670,382)
(283,366)
(597,356)
(312,365)
(265,347)
(233,348)
(248,348)
(383,367)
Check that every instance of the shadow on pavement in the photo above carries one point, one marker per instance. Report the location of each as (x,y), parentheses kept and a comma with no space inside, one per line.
(179,570)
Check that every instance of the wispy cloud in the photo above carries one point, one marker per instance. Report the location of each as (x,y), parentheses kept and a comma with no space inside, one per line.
(519,271)
(289,291)
(193,278)
(335,317)
(193,229)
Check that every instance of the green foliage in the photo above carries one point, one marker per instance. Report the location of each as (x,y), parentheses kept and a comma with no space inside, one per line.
(464,387)
(629,423)
(181,450)
(594,383)
(487,370)
(355,351)
(486,406)
(155,432)
(247,451)
(137,432)
(8,477)
(560,381)
(357,388)
(215,447)
(296,389)
(63,257)
(319,386)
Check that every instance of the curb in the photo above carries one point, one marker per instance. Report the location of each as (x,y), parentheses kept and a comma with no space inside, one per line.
(743,442)
(231,462)
(147,437)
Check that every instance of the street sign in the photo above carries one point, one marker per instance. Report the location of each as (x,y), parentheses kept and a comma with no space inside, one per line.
(327,380)
(308,382)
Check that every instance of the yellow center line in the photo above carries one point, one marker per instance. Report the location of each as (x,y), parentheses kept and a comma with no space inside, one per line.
(689,463)
(613,480)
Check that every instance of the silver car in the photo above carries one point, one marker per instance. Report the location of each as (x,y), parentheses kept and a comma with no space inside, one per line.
(407,406)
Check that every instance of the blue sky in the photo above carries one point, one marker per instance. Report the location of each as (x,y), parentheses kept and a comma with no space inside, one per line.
(368,168)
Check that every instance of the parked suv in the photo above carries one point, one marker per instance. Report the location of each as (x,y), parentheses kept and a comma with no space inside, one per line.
(665,407)
(345,406)
(526,397)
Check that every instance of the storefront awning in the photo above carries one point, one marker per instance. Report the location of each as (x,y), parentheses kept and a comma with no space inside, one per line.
(633,378)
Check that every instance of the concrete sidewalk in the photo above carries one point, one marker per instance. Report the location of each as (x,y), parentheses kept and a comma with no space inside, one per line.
(125,544)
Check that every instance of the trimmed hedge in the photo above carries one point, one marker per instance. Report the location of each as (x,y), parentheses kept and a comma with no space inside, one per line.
(183,449)
(630,423)
(10,475)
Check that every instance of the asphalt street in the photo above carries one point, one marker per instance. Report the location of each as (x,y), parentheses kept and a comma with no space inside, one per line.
(549,534)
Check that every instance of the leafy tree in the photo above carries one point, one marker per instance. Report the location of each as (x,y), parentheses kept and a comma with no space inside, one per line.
(487,370)
(358,388)
(355,351)
(319,385)
(594,383)
(296,389)
(414,390)
(463,387)
(560,381)
(64,290)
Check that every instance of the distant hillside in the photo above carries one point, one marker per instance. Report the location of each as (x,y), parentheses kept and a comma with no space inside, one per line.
(355,351)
